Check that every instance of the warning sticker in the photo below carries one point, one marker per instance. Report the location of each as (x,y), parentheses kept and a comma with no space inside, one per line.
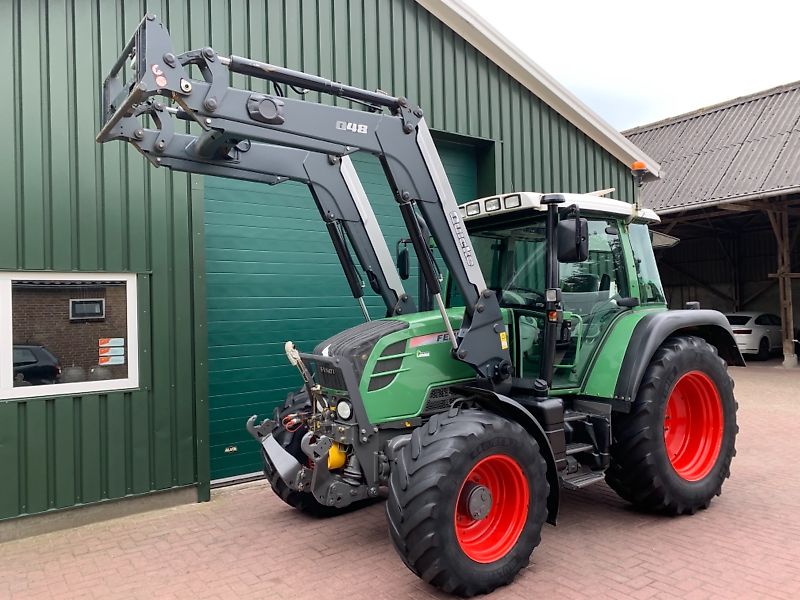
(504,340)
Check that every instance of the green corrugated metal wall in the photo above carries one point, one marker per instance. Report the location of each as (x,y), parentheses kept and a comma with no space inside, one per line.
(68,204)
(273,276)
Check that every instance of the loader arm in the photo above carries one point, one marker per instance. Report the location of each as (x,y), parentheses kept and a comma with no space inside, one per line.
(400,139)
(334,185)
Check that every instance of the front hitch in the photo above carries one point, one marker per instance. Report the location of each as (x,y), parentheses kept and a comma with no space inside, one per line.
(259,431)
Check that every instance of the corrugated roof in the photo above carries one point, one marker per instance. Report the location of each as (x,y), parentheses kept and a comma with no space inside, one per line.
(741,148)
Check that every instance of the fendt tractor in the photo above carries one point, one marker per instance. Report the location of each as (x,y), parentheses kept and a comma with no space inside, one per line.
(542,358)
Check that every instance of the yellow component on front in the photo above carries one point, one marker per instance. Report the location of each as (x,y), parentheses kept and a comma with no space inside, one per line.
(336,457)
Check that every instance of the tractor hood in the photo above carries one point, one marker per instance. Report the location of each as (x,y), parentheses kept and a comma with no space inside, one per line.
(397,361)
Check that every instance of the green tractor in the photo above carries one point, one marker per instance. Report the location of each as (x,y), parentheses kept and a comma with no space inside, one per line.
(607,384)
(547,359)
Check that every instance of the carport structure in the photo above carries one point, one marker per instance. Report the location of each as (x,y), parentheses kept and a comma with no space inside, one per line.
(730,190)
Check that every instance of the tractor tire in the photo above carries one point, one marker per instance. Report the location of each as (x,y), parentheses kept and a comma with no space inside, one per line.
(302,501)
(441,523)
(763,350)
(673,451)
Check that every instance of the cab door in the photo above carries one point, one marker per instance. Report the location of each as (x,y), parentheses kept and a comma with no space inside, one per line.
(590,292)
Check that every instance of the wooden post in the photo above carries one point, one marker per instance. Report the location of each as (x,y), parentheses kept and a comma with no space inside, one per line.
(737,279)
(780,226)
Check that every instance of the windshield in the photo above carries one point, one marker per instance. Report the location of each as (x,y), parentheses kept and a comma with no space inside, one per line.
(513,260)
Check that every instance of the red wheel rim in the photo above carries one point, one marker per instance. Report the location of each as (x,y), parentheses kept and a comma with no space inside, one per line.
(491,538)
(693,426)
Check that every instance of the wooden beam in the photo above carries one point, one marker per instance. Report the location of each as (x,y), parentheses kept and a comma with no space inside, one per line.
(780,226)
(739,207)
(698,282)
(791,206)
(737,275)
(671,226)
(702,216)
(765,286)
(776,227)
(789,275)
(795,235)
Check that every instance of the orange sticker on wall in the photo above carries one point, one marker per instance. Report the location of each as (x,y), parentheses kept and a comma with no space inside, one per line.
(111,360)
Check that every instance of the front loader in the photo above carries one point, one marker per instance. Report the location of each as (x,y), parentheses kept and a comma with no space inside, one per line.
(550,362)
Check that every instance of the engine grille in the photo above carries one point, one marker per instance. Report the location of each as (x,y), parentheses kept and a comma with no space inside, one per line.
(357,343)
(330,377)
(439,399)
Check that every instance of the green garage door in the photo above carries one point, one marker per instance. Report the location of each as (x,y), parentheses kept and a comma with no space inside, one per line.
(272,276)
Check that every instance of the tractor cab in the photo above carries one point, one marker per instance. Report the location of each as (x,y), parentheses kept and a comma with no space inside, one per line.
(509,238)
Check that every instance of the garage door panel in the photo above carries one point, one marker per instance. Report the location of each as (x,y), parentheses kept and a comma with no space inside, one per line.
(272,275)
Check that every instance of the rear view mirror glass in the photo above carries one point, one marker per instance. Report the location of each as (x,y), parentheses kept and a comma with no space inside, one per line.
(572,240)
(402,263)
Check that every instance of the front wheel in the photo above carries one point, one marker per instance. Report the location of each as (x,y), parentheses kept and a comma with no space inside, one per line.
(467,501)
(673,451)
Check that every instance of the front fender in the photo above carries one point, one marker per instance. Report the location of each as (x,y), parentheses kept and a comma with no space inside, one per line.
(651,331)
(514,411)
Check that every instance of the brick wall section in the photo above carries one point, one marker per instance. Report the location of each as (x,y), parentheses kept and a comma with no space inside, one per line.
(40,315)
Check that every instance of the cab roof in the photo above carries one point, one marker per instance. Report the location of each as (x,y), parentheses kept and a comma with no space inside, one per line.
(523,202)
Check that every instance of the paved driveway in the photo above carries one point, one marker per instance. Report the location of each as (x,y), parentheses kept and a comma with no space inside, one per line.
(246,543)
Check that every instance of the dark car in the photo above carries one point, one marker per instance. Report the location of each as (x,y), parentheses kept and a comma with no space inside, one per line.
(34,365)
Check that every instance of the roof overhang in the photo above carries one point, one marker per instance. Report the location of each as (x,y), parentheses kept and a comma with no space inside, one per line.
(526,202)
(496,47)
(717,202)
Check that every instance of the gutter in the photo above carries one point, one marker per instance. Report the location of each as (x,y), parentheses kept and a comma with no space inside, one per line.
(746,197)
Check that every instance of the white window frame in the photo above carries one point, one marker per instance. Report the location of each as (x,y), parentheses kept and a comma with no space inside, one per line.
(7,389)
(74,301)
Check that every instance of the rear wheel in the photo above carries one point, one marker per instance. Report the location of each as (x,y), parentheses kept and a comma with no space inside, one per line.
(467,501)
(763,349)
(673,451)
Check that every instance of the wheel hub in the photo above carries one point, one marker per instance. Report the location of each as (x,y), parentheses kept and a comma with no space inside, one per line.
(477,500)
(492,508)
(693,426)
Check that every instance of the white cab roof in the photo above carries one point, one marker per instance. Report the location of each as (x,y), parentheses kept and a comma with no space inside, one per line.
(527,201)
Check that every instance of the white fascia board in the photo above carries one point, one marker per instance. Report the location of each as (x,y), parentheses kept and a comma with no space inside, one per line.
(473,28)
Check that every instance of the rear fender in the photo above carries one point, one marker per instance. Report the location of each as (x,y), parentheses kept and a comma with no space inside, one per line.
(514,411)
(652,330)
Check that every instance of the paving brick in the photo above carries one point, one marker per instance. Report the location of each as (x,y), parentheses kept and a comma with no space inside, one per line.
(245,542)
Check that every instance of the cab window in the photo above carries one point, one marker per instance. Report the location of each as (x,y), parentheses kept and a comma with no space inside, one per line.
(650,289)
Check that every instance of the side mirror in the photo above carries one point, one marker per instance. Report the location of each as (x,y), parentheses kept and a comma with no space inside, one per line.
(402,263)
(572,240)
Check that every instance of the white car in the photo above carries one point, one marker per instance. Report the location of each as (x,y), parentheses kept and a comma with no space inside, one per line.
(756,333)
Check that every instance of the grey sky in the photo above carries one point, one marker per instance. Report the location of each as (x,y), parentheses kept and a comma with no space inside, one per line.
(638,62)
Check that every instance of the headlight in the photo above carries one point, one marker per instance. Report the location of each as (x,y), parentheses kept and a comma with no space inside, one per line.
(344,410)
